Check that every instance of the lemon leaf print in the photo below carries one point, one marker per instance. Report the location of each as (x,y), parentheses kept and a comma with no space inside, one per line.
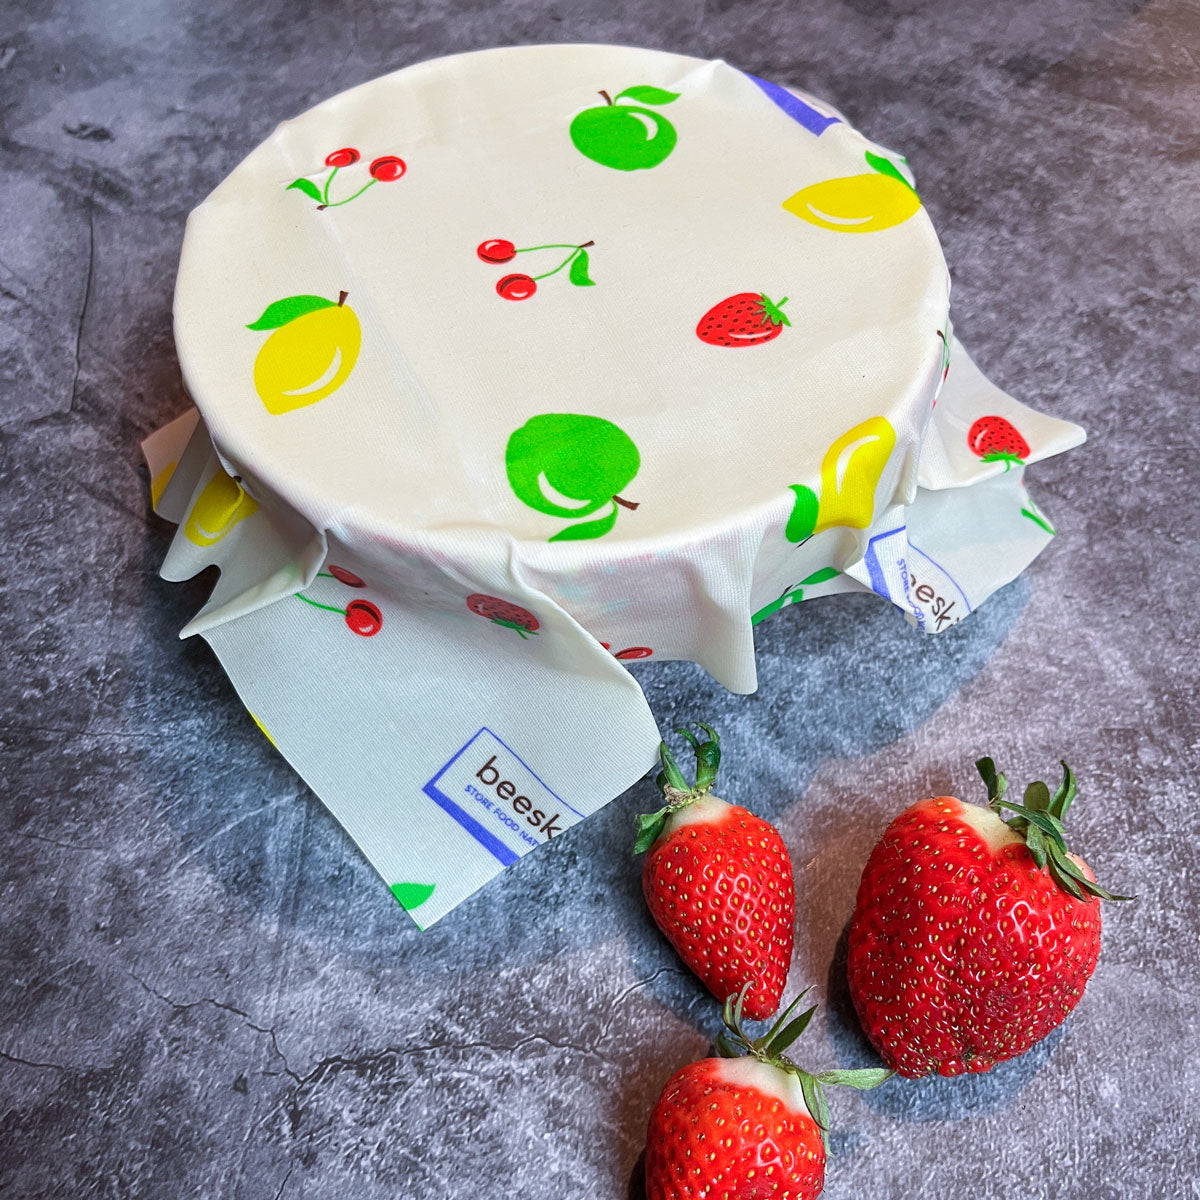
(864,203)
(310,353)
(885,166)
(803,520)
(283,311)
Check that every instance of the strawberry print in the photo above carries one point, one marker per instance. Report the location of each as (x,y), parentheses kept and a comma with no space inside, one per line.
(995,439)
(747,319)
(503,612)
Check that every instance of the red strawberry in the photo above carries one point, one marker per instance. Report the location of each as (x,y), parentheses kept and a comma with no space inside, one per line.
(995,439)
(718,882)
(972,937)
(747,319)
(749,1128)
(503,612)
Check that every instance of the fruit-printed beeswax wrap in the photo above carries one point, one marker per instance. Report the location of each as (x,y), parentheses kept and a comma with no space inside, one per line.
(513,367)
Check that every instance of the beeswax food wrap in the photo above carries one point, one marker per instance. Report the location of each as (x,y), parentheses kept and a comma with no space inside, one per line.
(513,367)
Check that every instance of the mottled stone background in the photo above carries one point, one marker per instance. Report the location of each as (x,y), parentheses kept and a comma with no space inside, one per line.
(204,989)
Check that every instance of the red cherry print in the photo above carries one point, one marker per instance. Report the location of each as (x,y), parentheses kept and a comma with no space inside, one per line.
(344,576)
(363,618)
(496,250)
(635,652)
(344,157)
(516,287)
(388,168)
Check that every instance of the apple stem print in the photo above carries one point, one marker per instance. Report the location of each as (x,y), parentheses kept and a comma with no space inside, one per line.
(850,473)
(361,616)
(996,439)
(521,287)
(310,353)
(387,168)
(571,465)
(747,319)
(857,203)
(794,594)
(503,613)
(626,137)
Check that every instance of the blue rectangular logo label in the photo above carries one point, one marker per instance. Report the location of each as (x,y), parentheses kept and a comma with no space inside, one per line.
(498,799)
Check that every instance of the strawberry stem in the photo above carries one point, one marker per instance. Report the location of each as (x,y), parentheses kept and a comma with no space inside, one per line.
(676,790)
(734,1042)
(1039,821)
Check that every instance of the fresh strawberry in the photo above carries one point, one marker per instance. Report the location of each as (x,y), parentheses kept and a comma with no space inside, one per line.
(996,439)
(749,1127)
(973,937)
(747,319)
(718,881)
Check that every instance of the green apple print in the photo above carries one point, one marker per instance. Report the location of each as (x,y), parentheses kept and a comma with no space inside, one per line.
(794,594)
(626,137)
(571,465)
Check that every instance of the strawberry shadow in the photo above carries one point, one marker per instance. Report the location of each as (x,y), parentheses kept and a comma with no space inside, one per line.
(934,1098)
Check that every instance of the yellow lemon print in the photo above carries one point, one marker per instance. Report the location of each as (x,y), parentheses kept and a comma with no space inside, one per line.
(857,203)
(221,505)
(850,474)
(158,484)
(310,354)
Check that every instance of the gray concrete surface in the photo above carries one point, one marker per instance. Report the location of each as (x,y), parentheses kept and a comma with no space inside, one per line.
(204,990)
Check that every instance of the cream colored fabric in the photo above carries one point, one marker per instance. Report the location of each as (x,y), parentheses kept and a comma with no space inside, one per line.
(449,504)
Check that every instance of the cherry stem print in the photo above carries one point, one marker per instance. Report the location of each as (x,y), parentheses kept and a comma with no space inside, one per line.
(361,616)
(387,168)
(520,286)
(575,252)
(338,203)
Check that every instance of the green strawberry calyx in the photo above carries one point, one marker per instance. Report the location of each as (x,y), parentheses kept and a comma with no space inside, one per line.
(772,311)
(1009,460)
(676,790)
(734,1042)
(1040,822)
